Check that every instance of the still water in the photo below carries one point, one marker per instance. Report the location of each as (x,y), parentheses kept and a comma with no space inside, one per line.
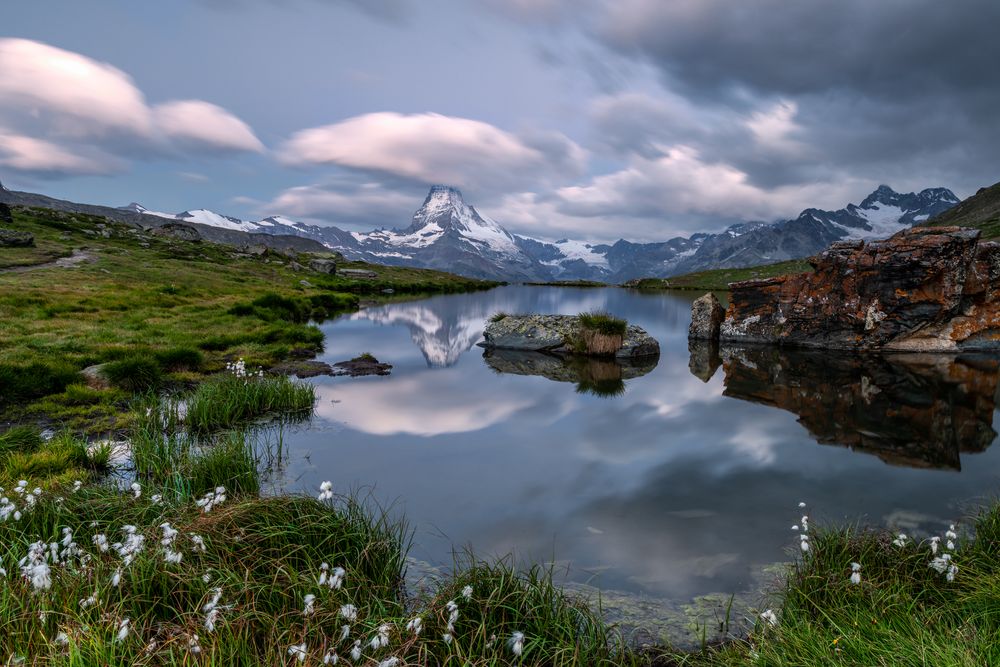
(667,481)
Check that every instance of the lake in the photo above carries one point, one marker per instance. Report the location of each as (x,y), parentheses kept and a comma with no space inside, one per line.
(658,484)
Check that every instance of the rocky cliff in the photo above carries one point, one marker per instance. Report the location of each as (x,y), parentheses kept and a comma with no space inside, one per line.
(924,289)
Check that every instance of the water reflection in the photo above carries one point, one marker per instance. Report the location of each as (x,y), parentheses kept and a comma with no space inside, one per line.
(684,485)
(603,377)
(919,410)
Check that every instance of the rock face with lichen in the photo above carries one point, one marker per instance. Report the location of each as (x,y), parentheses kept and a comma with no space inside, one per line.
(562,335)
(924,289)
(707,315)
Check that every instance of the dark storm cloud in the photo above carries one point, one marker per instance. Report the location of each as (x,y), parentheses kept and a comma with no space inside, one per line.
(880,87)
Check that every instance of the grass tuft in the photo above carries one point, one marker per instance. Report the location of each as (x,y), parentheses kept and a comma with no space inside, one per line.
(228,401)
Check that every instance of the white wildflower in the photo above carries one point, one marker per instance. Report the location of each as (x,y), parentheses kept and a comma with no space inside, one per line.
(452,615)
(88,602)
(122,630)
(516,643)
(298,651)
(330,658)
(952,571)
(156,499)
(136,489)
(336,579)
(349,612)
(325,490)
(381,638)
(446,638)
(199,542)
(310,601)
(116,578)
(805,523)
(193,645)
(769,616)
(900,540)
(467,593)
(356,651)
(934,545)
(415,625)
(389,662)
(62,639)
(802,504)
(77,485)
(855,573)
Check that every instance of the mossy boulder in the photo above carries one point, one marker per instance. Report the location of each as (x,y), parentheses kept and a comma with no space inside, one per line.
(566,335)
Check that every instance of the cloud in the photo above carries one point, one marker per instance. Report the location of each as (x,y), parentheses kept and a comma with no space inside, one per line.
(345,202)
(431,148)
(205,125)
(43,157)
(65,114)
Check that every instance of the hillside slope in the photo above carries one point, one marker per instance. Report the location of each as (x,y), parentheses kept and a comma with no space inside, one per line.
(980,211)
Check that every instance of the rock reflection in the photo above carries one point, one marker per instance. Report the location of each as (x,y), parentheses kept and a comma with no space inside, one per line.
(918,410)
(604,377)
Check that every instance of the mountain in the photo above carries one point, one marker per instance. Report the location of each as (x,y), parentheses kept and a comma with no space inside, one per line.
(981,211)
(447,233)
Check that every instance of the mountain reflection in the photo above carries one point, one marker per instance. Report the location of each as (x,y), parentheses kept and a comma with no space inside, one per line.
(913,410)
(600,377)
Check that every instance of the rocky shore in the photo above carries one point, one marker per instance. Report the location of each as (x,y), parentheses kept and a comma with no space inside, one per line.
(924,289)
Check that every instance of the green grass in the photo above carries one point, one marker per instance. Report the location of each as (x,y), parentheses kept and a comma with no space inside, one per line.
(228,400)
(603,323)
(189,307)
(719,279)
(902,613)
(135,373)
(499,316)
(24,455)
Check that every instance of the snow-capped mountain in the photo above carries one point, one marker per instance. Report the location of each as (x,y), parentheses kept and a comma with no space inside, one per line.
(446,233)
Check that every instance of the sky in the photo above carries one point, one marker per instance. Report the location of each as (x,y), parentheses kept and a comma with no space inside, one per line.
(589,119)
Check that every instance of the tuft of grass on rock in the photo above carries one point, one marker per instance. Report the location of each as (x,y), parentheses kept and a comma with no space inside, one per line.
(603,323)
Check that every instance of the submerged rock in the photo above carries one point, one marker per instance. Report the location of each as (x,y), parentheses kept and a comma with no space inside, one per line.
(561,335)
(366,364)
(924,289)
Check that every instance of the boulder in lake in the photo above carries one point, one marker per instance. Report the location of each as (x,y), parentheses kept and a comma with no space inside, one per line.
(563,335)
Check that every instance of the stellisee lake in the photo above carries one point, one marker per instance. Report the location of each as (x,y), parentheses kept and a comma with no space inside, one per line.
(656,484)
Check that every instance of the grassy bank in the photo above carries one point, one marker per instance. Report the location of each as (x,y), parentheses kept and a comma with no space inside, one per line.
(179,559)
(719,279)
(162,312)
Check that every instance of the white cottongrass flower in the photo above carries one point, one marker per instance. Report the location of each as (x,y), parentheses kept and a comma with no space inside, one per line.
(298,651)
(88,602)
(122,630)
(415,625)
(770,617)
(136,489)
(952,571)
(330,658)
(212,499)
(802,504)
(214,602)
(345,632)
(900,540)
(336,579)
(389,662)
(804,543)
(324,570)
(516,643)
(795,526)
(199,542)
(446,638)
(193,645)
(206,577)
(941,563)
(452,615)
(156,499)
(349,612)
(467,593)
(310,601)
(356,651)
(101,542)
(171,556)
(951,534)
(934,545)
(211,618)
(855,573)
(62,639)
(325,490)
(805,523)
(77,485)
(381,638)
(116,578)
